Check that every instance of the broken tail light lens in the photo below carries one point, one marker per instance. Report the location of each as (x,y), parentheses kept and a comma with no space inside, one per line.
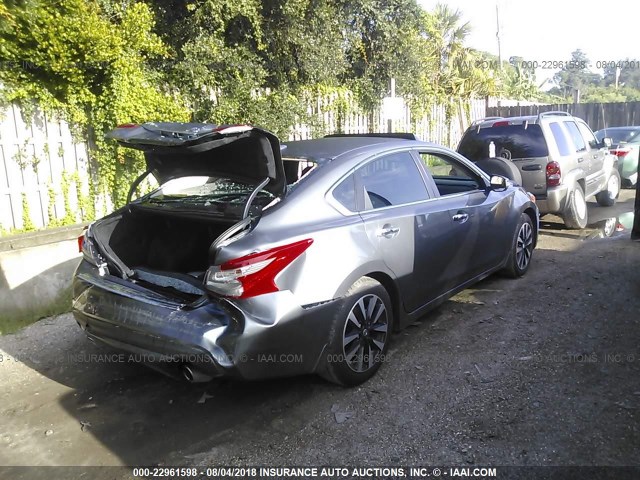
(554,174)
(87,248)
(253,274)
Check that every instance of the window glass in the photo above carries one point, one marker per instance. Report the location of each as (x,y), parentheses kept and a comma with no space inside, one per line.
(449,175)
(620,135)
(561,139)
(576,136)
(345,193)
(511,141)
(295,169)
(206,191)
(392,180)
(588,135)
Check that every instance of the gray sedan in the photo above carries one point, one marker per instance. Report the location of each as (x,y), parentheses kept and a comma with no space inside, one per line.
(258,259)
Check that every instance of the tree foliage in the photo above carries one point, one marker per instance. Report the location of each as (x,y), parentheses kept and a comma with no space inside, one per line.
(100,63)
(618,82)
(73,60)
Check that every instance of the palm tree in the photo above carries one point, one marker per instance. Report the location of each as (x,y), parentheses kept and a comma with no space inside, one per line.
(452,73)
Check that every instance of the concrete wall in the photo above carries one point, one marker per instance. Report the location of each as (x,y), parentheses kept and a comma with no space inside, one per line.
(35,275)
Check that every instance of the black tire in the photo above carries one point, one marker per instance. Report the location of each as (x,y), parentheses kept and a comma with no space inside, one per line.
(353,356)
(500,166)
(521,248)
(575,214)
(608,196)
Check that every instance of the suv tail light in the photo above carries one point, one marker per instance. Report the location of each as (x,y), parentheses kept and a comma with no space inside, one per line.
(620,152)
(253,274)
(554,175)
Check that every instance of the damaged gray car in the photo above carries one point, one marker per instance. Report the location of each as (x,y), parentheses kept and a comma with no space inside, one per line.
(257,259)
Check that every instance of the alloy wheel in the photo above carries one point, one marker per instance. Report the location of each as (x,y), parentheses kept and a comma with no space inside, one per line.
(524,245)
(365,333)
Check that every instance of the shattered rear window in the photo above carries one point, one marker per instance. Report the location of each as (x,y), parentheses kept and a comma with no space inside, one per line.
(204,190)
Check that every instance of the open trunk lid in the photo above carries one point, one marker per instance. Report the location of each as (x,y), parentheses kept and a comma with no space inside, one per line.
(239,152)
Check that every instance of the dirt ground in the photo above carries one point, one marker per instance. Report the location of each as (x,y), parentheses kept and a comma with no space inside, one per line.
(543,370)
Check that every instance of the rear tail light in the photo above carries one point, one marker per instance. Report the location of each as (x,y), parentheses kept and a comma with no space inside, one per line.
(88,249)
(253,274)
(620,152)
(554,174)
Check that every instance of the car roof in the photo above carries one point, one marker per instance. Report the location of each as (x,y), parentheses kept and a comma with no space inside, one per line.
(329,148)
(630,127)
(531,119)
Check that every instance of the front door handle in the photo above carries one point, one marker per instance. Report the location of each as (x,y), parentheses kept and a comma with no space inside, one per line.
(460,217)
(580,160)
(388,231)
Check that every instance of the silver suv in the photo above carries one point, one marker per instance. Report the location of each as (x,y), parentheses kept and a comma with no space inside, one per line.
(557,156)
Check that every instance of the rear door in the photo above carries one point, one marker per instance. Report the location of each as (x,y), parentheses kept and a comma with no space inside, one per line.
(584,157)
(412,232)
(596,176)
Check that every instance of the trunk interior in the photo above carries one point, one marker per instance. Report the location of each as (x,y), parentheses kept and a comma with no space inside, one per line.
(161,241)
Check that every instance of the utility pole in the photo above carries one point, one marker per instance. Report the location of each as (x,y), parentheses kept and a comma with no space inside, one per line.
(498,37)
(393,94)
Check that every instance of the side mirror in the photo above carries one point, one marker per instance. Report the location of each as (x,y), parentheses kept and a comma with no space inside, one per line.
(607,142)
(498,183)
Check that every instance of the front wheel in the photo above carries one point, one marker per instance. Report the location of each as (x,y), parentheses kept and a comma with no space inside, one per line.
(575,215)
(608,196)
(360,334)
(521,248)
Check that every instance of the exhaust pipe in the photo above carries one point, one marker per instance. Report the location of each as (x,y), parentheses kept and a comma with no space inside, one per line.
(195,376)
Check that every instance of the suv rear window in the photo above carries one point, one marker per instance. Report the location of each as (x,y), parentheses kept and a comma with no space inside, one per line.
(511,141)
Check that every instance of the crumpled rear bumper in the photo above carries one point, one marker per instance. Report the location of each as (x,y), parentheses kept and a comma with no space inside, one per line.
(266,336)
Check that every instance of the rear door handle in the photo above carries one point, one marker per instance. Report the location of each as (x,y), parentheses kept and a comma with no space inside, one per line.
(460,217)
(388,231)
(580,160)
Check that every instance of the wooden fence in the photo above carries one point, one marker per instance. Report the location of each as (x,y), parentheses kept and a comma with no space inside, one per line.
(597,115)
(44,171)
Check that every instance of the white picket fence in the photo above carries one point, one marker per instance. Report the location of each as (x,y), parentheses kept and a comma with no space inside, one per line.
(39,157)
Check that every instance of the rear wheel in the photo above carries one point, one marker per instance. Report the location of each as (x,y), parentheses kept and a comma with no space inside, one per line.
(521,249)
(608,196)
(360,334)
(575,215)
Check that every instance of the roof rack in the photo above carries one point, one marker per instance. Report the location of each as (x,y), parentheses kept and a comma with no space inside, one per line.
(405,136)
(553,112)
(486,119)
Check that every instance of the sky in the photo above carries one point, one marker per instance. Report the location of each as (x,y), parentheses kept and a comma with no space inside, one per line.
(549,30)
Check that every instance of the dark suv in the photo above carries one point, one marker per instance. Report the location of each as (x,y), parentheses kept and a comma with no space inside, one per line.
(557,157)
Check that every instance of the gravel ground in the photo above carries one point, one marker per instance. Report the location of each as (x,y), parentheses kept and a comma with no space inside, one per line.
(543,370)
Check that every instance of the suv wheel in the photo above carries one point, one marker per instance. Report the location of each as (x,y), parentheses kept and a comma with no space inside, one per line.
(360,334)
(607,197)
(575,215)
